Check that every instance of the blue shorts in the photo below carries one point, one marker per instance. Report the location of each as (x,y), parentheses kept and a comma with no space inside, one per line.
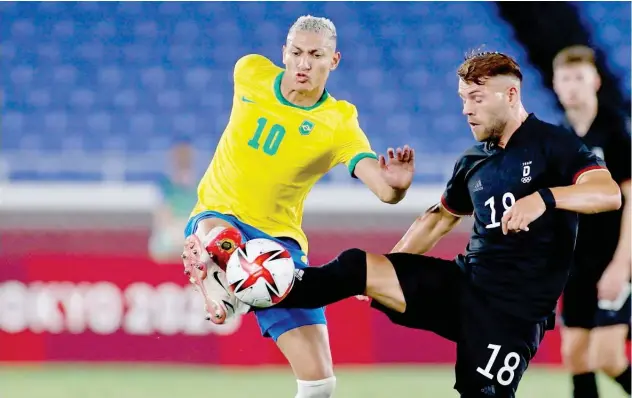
(273,322)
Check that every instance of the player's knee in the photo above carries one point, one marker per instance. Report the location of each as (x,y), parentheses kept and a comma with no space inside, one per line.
(576,360)
(378,276)
(352,264)
(574,351)
(383,283)
(317,388)
(607,351)
(609,363)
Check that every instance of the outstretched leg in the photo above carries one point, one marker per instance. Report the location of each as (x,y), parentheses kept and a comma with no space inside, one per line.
(306,347)
(414,291)
(354,272)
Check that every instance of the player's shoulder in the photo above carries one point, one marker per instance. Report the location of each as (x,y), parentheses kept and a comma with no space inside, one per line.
(547,134)
(539,128)
(250,61)
(339,113)
(252,65)
(345,108)
(613,121)
(555,134)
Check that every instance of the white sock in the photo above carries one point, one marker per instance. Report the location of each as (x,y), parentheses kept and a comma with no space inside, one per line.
(317,388)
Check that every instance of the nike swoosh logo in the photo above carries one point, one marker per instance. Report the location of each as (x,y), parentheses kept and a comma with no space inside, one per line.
(247,100)
(227,304)
(216,276)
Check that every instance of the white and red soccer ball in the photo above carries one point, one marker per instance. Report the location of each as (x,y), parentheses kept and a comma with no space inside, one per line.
(260,273)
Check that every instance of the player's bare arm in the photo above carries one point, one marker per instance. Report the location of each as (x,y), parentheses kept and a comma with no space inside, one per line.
(390,176)
(594,192)
(618,271)
(427,230)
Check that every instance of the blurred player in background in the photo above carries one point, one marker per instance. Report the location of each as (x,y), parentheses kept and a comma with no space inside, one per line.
(524,184)
(285,132)
(596,301)
(178,189)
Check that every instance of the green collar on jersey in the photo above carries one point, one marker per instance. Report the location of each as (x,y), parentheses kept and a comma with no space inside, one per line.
(281,98)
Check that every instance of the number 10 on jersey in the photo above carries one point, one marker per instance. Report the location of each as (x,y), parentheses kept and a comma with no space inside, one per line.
(273,139)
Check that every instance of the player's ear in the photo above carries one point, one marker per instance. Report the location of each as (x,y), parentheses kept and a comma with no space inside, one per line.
(283,54)
(512,95)
(597,81)
(335,61)
(556,87)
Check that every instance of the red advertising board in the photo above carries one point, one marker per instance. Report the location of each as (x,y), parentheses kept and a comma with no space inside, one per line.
(106,307)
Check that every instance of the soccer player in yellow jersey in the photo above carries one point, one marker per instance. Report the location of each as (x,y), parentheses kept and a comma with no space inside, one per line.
(285,132)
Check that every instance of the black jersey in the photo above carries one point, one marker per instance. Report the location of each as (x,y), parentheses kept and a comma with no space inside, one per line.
(521,273)
(598,236)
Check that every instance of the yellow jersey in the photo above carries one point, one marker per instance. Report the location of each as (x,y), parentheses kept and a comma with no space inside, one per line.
(273,152)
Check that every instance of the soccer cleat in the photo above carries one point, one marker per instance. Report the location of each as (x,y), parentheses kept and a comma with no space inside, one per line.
(202,259)
(219,304)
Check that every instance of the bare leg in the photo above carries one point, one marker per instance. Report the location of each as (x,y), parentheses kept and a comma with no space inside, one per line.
(607,353)
(575,343)
(382,284)
(575,348)
(307,350)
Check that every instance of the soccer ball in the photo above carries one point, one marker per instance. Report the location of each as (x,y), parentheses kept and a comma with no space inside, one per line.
(260,273)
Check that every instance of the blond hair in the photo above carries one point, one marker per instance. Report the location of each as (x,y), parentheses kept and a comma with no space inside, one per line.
(309,23)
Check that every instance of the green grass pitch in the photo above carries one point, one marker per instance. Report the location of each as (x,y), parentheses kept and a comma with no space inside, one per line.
(146,381)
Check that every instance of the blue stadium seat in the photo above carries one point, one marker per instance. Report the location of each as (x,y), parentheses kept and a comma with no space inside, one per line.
(609,25)
(97,79)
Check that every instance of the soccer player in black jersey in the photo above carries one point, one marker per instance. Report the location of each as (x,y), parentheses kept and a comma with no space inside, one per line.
(596,301)
(524,184)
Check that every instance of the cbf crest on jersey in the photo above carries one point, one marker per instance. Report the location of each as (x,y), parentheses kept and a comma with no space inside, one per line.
(306,127)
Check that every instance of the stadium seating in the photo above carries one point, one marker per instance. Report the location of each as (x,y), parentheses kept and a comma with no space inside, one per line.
(609,25)
(98,91)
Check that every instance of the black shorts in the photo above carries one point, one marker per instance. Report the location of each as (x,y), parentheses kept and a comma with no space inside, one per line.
(580,305)
(493,348)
